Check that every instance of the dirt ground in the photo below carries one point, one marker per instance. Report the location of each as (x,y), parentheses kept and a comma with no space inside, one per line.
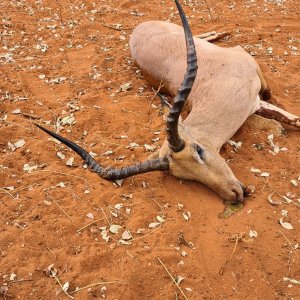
(67,64)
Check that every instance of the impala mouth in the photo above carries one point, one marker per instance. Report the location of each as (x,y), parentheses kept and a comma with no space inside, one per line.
(247,190)
(239,197)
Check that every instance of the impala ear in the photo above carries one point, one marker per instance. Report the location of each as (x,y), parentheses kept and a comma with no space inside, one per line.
(165,105)
(164,150)
(154,155)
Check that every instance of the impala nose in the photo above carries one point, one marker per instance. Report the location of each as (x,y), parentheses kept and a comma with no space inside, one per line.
(239,195)
(240,191)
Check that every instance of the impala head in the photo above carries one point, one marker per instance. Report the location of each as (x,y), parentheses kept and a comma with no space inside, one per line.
(183,156)
(202,162)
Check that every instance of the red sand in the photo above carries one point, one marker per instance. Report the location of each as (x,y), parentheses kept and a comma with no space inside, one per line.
(37,231)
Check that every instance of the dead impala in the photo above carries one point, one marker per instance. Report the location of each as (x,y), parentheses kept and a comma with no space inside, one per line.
(224,94)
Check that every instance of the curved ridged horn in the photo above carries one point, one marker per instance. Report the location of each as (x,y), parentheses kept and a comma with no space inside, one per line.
(112,174)
(175,142)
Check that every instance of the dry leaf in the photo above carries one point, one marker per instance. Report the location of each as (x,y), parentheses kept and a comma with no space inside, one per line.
(66,286)
(291,280)
(150,148)
(125,87)
(68,120)
(104,234)
(70,162)
(178,279)
(265,174)
(186,215)
(271,201)
(254,170)
(114,228)
(107,153)
(19,143)
(50,271)
(234,144)
(12,276)
(16,111)
(60,155)
(154,224)
(90,216)
(184,253)
(293,181)
(285,225)
(160,219)
(126,235)
(118,205)
(29,167)
(253,233)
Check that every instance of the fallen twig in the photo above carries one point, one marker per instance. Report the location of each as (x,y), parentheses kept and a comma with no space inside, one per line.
(155,94)
(24,213)
(105,216)
(61,173)
(56,278)
(96,284)
(87,225)
(20,280)
(212,36)
(237,238)
(59,206)
(288,242)
(173,279)
(7,192)
(51,251)
(141,237)
(21,188)
(132,256)
(116,28)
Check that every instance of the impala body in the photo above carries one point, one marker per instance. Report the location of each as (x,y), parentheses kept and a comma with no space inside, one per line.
(220,97)
(225,93)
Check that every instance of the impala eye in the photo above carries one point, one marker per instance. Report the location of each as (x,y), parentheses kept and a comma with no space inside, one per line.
(200,151)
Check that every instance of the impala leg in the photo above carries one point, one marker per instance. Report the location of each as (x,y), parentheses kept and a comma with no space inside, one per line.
(212,36)
(264,92)
(271,111)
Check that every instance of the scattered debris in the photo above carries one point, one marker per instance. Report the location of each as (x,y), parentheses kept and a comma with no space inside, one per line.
(234,144)
(285,225)
(154,224)
(273,202)
(70,162)
(230,209)
(150,148)
(160,219)
(126,235)
(187,215)
(254,170)
(253,233)
(125,87)
(294,182)
(114,228)
(90,216)
(60,155)
(291,280)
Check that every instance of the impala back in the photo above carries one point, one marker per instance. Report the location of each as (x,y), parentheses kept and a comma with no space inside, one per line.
(226,88)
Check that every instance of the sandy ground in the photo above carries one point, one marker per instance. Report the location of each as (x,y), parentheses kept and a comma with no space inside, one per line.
(64,62)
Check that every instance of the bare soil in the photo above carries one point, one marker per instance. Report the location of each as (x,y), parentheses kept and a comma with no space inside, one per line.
(60,59)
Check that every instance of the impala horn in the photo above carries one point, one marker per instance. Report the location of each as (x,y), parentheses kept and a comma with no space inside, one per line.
(176,144)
